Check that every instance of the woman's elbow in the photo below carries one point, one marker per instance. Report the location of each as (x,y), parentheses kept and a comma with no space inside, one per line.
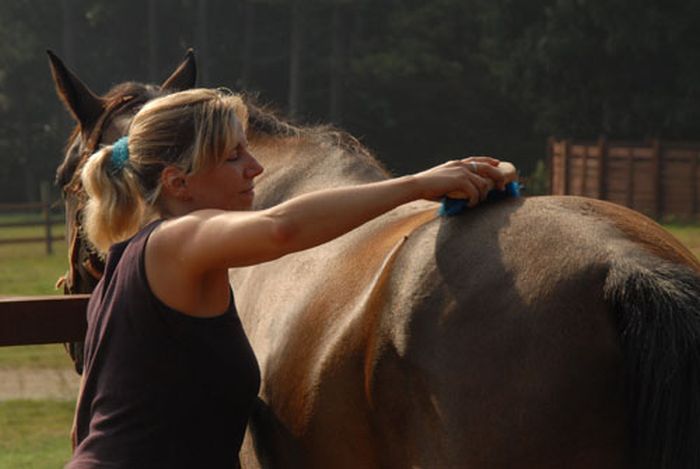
(284,235)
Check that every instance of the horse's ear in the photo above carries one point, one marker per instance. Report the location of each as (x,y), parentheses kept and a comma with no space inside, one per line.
(184,76)
(85,106)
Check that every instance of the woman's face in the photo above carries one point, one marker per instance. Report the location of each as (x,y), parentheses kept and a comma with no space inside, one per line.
(228,185)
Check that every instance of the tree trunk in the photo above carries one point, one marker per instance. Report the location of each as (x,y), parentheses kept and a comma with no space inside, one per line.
(201,34)
(247,46)
(296,41)
(152,41)
(337,65)
(68,32)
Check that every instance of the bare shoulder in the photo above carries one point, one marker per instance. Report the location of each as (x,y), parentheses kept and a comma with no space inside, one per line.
(213,240)
(174,274)
(174,241)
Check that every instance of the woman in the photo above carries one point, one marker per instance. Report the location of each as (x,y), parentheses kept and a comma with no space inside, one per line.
(170,378)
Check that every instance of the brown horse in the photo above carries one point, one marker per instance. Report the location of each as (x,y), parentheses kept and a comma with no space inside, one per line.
(548,332)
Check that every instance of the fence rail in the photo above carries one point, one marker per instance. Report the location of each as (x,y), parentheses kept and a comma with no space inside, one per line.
(660,179)
(42,319)
(47,220)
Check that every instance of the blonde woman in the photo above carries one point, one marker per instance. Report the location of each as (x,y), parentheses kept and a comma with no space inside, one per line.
(170,378)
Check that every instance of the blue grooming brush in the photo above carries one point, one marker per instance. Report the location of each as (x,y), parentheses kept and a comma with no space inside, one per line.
(451,207)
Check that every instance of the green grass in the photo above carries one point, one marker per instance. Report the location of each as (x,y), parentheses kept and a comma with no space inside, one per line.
(688,235)
(35,434)
(25,270)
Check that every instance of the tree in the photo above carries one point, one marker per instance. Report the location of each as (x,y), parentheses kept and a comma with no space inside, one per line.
(585,67)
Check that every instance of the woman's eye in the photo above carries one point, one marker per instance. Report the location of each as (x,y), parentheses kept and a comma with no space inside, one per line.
(235,155)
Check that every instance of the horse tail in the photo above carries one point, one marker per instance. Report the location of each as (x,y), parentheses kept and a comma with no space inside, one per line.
(657,308)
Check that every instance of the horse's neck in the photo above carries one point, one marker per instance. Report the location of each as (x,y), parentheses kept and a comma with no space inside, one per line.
(294,166)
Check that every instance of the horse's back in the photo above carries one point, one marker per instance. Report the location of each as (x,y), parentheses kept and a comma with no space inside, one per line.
(483,340)
(502,338)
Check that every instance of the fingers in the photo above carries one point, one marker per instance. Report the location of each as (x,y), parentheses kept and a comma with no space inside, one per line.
(469,178)
(468,190)
(473,187)
(483,159)
(494,174)
(482,185)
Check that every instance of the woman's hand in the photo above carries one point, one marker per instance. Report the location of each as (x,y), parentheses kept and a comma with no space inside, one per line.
(470,178)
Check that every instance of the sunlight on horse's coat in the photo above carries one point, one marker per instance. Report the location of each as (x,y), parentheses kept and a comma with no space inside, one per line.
(509,336)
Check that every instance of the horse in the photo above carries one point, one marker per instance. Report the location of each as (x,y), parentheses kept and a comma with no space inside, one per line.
(538,332)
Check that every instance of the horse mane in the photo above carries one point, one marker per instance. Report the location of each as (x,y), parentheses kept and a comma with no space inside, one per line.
(131,95)
(264,120)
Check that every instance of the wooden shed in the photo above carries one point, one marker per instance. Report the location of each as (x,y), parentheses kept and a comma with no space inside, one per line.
(659,179)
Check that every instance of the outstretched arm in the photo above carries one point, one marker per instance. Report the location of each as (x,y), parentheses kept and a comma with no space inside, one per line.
(208,240)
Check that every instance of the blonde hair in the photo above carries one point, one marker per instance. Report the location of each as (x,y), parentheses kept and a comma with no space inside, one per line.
(193,130)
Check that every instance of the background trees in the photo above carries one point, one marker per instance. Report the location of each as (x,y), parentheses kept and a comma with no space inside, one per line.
(416,81)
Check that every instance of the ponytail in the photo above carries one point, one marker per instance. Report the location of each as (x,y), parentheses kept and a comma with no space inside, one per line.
(115,207)
(193,130)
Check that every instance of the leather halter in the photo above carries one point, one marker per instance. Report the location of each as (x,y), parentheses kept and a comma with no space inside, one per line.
(85,261)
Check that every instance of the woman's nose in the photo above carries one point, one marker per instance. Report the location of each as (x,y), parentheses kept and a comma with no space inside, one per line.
(254,168)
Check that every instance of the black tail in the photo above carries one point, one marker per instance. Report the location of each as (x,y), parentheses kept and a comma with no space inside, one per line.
(658,314)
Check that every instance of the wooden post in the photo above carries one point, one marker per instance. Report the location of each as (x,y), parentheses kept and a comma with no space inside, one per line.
(657,178)
(602,167)
(694,183)
(565,165)
(630,177)
(584,170)
(550,162)
(45,192)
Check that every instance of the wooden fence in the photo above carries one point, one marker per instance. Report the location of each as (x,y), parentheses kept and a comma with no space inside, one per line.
(42,319)
(659,179)
(45,207)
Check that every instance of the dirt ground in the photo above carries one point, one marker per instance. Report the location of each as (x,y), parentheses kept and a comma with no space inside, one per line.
(38,383)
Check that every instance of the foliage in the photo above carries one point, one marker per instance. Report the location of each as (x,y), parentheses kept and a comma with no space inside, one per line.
(586,67)
(419,81)
(538,180)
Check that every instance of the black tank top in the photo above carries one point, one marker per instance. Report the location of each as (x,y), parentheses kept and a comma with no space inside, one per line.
(162,389)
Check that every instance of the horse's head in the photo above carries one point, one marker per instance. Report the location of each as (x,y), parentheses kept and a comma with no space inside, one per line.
(100,121)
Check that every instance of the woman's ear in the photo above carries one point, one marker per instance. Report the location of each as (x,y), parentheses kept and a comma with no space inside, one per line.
(174,183)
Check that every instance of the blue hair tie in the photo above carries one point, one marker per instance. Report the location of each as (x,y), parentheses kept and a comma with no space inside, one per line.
(451,207)
(120,153)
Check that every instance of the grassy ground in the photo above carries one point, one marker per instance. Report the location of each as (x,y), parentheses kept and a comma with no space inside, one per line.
(26,269)
(688,235)
(34,434)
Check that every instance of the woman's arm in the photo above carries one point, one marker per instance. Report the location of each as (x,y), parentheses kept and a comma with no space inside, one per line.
(209,240)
